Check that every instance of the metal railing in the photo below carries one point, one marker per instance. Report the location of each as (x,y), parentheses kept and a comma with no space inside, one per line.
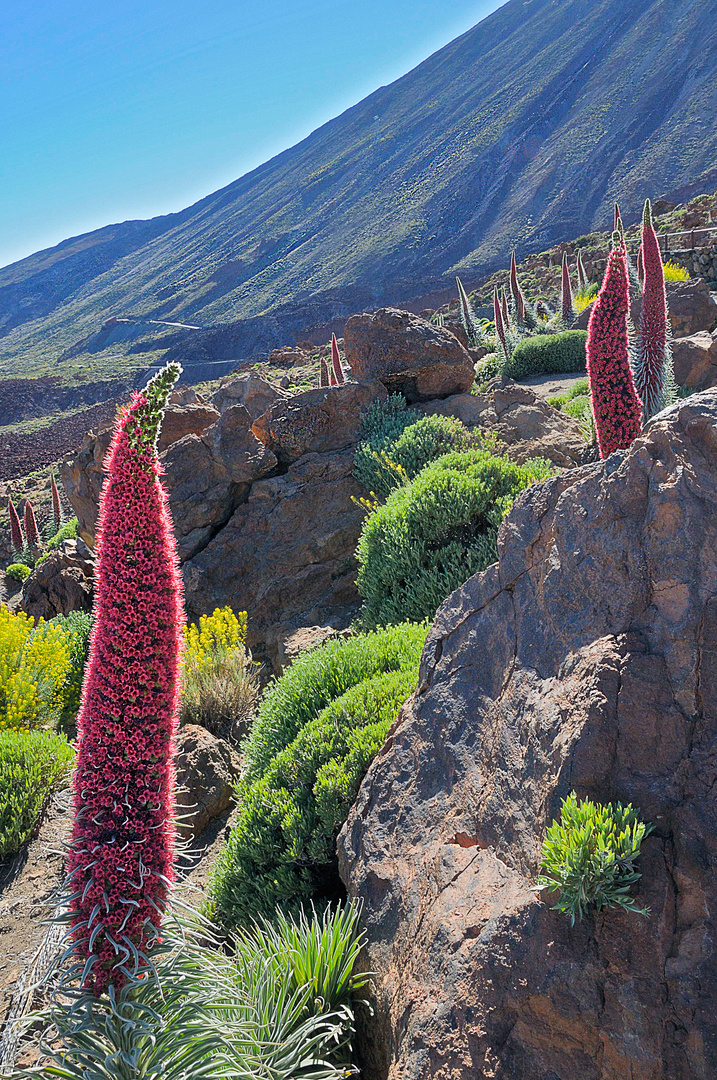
(692,236)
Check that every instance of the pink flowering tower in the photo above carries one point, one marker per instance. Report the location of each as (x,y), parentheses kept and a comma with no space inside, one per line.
(566,295)
(338,368)
(516,291)
(18,540)
(56,505)
(654,380)
(122,851)
(31,530)
(504,309)
(499,324)
(324,379)
(616,406)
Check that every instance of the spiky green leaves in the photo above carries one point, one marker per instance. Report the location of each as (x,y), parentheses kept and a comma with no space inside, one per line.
(146,413)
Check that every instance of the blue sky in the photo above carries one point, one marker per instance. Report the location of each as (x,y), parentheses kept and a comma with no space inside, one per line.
(131,108)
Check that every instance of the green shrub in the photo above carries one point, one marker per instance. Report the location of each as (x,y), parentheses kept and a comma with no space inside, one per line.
(318,677)
(282,849)
(78,625)
(436,532)
(18,572)
(547,354)
(402,458)
(588,857)
(32,765)
(489,368)
(280,1007)
(67,531)
(383,423)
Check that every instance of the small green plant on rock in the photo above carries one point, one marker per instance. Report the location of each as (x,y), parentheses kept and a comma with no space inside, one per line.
(588,857)
(18,572)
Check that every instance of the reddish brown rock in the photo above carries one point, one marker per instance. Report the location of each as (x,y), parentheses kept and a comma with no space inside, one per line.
(286,555)
(585,659)
(695,361)
(316,421)
(409,355)
(206,770)
(691,307)
(181,420)
(520,419)
(61,583)
(251,391)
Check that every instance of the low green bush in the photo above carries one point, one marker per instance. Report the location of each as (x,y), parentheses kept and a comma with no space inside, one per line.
(78,625)
(547,354)
(434,533)
(318,677)
(489,368)
(18,572)
(67,531)
(32,765)
(279,1007)
(402,458)
(282,849)
(588,857)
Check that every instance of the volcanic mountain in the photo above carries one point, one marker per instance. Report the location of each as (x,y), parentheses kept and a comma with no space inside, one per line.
(520,133)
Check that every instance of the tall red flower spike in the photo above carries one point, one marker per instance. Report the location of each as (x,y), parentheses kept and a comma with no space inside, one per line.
(122,852)
(18,540)
(582,276)
(566,295)
(505,311)
(518,298)
(56,505)
(324,374)
(616,406)
(641,265)
(654,380)
(499,324)
(336,361)
(31,530)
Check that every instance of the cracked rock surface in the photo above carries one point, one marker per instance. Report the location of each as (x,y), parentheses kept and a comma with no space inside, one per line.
(585,659)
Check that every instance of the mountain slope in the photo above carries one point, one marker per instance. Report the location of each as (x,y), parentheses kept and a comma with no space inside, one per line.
(519,133)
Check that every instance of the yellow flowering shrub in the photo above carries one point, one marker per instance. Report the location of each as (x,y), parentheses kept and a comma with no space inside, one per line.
(34,661)
(219,632)
(675,272)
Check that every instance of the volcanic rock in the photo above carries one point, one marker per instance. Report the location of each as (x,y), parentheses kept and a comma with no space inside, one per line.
(695,360)
(585,659)
(251,391)
(61,583)
(316,421)
(206,769)
(525,422)
(409,355)
(690,304)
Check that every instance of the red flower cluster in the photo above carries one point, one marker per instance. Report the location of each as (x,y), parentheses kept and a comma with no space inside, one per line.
(18,540)
(518,298)
(31,530)
(338,371)
(120,863)
(56,507)
(499,325)
(566,296)
(616,406)
(653,370)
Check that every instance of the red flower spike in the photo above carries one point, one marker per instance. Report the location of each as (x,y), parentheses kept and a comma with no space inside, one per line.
(582,276)
(518,298)
(56,506)
(18,540)
(31,531)
(640,265)
(336,362)
(324,374)
(566,296)
(504,309)
(499,325)
(653,368)
(122,852)
(616,406)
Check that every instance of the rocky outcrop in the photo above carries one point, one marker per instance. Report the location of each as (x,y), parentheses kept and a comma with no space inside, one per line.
(181,420)
(695,360)
(316,421)
(61,583)
(251,391)
(206,769)
(585,659)
(286,555)
(409,355)
(690,305)
(207,473)
(520,419)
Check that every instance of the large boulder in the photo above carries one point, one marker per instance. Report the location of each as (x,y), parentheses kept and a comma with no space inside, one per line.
(409,355)
(316,421)
(585,659)
(525,422)
(206,769)
(286,555)
(83,474)
(690,305)
(207,474)
(695,360)
(251,391)
(61,583)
